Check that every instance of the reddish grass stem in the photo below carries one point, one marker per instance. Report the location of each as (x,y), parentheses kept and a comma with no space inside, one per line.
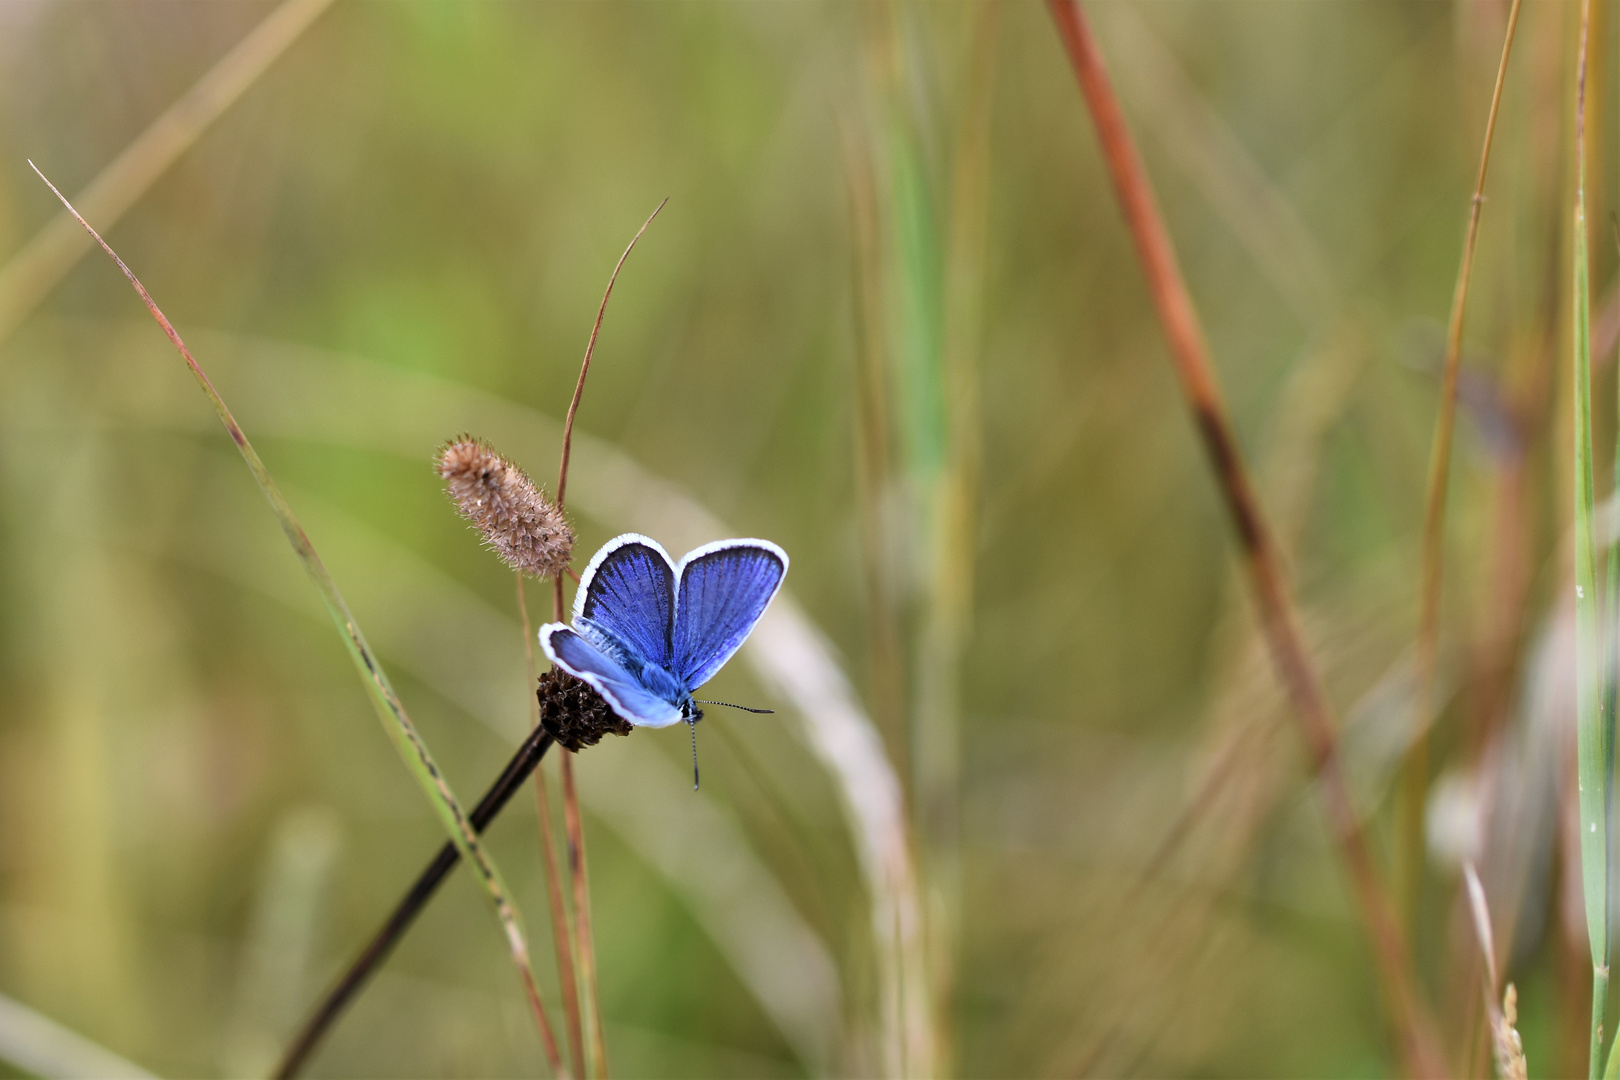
(561,927)
(1408,1013)
(584,944)
(585,366)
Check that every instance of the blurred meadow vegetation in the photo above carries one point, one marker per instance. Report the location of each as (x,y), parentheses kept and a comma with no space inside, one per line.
(890,319)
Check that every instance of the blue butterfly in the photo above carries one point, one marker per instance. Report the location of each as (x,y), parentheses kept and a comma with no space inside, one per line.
(648,631)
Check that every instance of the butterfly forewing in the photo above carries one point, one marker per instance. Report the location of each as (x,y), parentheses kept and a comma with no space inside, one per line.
(626,600)
(724,589)
(622,690)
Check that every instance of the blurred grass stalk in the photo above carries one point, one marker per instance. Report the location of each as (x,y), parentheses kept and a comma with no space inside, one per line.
(1415,768)
(41,1047)
(1407,1011)
(920,307)
(903,986)
(282,930)
(391,711)
(1593,717)
(29,276)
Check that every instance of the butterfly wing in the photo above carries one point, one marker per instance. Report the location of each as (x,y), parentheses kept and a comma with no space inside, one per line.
(626,601)
(723,590)
(622,690)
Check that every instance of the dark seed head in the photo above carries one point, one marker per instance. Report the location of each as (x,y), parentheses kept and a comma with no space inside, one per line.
(574,713)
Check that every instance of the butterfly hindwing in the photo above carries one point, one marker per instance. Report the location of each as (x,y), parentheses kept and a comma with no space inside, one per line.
(722,591)
(626,601)
(622,690)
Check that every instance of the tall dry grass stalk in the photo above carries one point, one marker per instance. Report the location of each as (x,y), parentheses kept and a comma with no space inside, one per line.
(1416,767)
(920,238)
(885,672)
(30,275)
(948,619)
(920,245)
(1408,1013)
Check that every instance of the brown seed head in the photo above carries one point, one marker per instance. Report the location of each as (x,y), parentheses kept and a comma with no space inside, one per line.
(518,522)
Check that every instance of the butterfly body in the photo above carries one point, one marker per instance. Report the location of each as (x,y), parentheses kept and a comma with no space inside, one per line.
(648,631)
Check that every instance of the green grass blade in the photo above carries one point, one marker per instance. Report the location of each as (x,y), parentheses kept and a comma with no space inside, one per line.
(1594,725)
(389,708)
(1594,729)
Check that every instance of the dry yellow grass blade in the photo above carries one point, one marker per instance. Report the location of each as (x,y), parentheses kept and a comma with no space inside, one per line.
(30,275)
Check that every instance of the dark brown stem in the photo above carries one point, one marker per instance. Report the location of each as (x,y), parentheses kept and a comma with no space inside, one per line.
(1409,1015)
(387,936)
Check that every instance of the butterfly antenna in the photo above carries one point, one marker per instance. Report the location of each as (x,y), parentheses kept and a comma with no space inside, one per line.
(691,723)
(729,705)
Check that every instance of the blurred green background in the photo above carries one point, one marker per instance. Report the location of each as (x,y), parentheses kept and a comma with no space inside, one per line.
(889,319)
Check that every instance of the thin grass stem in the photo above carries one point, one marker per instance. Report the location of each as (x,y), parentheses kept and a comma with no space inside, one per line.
(1408,1013)
(412,749)
(1416,765)
(561,926)
(596,1050)
(585,365)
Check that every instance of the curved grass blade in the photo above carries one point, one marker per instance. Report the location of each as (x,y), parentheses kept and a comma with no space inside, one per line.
(40,1046)
(389,708)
